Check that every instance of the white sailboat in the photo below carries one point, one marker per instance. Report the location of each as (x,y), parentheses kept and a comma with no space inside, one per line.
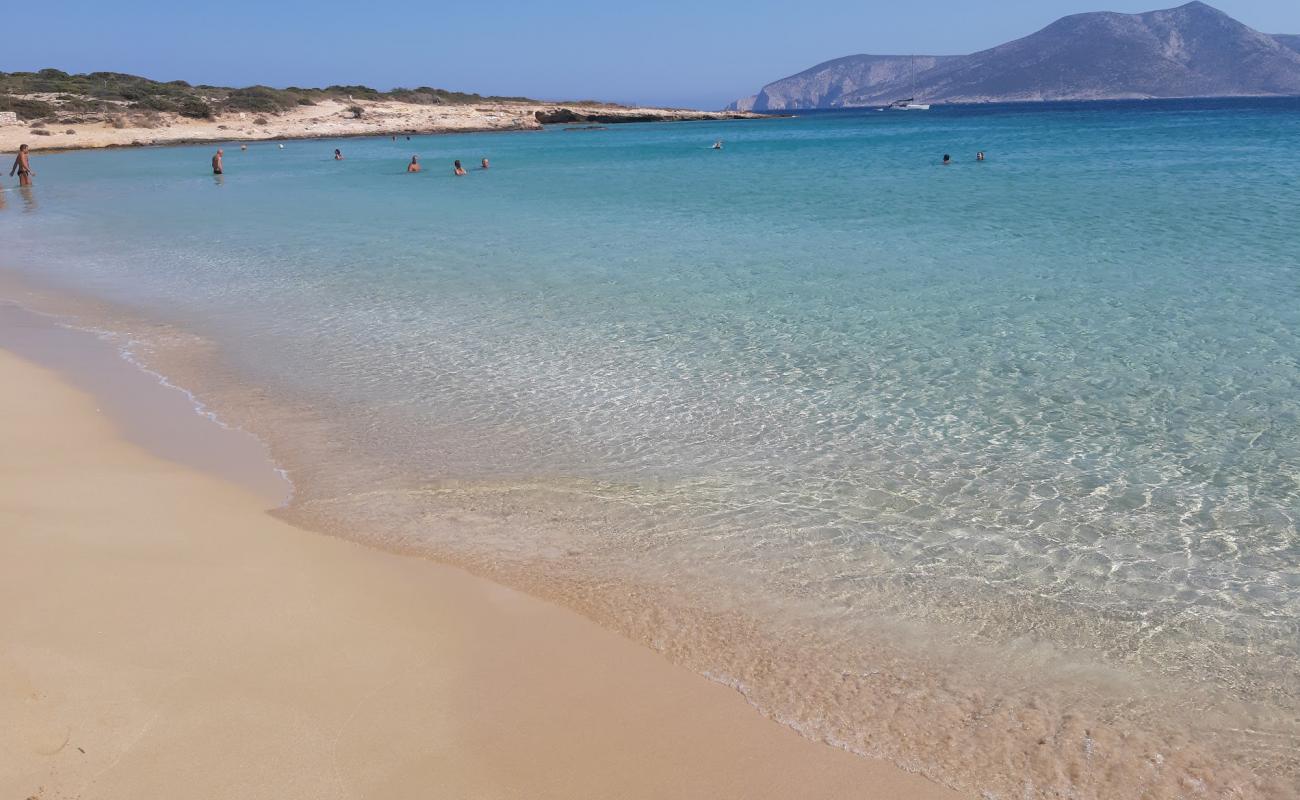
(910,103)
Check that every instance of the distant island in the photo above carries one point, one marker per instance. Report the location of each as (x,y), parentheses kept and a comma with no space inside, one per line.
(52,109)
(1191,51)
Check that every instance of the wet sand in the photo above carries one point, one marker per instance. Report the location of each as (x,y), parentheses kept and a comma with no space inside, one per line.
(165,637)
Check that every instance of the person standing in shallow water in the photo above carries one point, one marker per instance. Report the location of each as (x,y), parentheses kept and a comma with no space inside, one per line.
(216,162)
(23,166)
(459,170)
(338,154)
(414,166)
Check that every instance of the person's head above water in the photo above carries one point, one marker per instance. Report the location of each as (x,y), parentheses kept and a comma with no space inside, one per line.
(979,156)
(484,164)
(415,159)
(947,159)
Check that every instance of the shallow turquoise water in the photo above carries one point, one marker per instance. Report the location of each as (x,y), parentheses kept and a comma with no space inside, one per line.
(1050,402)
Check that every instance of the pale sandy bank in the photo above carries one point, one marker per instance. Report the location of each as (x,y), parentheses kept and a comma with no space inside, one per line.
(333,118)
(163,637)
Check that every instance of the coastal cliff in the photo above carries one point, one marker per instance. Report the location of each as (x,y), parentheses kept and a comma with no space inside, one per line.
(832,83)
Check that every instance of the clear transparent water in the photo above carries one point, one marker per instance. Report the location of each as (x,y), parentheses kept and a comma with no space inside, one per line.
(1007,449)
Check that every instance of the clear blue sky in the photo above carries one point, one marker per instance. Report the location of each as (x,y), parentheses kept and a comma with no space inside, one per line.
(703,53)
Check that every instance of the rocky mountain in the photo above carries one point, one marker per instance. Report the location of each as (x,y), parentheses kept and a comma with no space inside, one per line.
(827,84)
(1190,51)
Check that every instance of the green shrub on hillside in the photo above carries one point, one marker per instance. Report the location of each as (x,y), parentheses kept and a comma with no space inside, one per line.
(259,98)
(26,109)
(70,102)
(196,108)
(419,96)
(354,91)
(108,91)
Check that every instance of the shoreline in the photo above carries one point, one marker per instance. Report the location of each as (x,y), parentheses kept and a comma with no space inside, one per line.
(285,138)
(922,722)
(952,718)
(332,120)
(186,626)
(325,136)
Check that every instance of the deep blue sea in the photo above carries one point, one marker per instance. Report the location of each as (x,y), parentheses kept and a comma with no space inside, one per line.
(991,469)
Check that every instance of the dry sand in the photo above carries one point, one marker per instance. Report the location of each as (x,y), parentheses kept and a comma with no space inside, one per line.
(164,637)
(330,118)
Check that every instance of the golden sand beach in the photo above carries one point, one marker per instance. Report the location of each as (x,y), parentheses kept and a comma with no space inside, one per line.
(164,636)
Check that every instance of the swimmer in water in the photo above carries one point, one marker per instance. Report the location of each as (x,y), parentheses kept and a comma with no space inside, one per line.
(459,170)
(414,166)
(484,165)
(338,155)
(947,159)
(243,147)
(979,156)
(717,145)
(216,162)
